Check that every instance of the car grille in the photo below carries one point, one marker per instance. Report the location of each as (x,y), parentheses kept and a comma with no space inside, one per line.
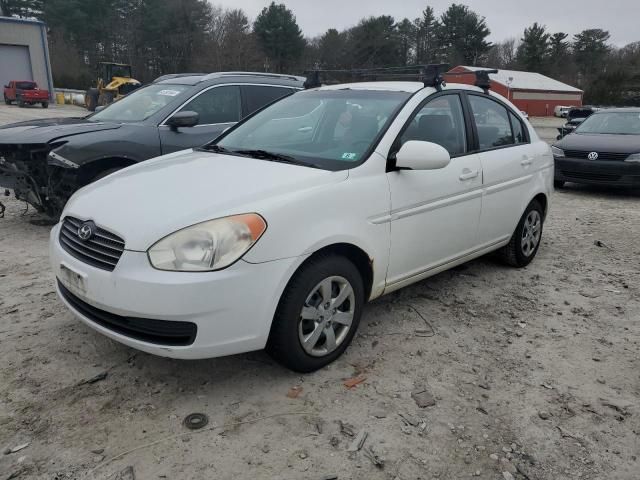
(159,332)
(102,250)
(598,177)
(620,157)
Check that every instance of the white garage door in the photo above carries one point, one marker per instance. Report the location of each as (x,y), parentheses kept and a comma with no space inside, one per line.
(15,63)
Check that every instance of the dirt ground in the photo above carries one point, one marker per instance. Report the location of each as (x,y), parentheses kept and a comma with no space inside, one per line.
(530,374)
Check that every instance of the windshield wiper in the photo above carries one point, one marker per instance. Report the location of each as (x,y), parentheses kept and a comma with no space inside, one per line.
(273,157)
(215,148)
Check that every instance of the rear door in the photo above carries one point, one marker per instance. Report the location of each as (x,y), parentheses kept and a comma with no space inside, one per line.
(507,166)
(219,107)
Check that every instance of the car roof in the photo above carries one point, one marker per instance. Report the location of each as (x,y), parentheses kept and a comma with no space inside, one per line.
(236,77)
(619,110)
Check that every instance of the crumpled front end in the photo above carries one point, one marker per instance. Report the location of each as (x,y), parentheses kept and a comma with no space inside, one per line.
(35,177)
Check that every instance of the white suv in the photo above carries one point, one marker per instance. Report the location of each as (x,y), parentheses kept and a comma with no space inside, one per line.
(277,233)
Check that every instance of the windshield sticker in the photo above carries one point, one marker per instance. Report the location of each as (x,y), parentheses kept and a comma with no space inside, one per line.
(349,156)
(169,93)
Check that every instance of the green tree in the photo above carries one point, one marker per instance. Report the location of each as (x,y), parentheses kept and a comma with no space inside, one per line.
(426,36)
(406,31)
(462,35)
(533,50)
(590,49)
(280,36)
(22,8)
(332,49)
(374,42)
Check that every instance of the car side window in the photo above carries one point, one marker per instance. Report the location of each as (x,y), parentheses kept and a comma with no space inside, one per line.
(257,96)
(216,105)
(492,122)
(439,121)
(517,128)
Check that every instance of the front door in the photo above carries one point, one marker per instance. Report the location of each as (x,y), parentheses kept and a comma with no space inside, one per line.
(219,108)
(434,213)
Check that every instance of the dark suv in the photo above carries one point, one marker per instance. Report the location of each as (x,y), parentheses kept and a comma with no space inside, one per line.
(45,161)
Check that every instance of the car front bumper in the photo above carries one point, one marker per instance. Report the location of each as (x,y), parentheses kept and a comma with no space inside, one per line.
(232,309)
(597,172)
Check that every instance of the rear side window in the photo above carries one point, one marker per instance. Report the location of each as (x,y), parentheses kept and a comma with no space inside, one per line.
(439,121)
(216,105)
(255,96)
(518,129)
(492,122)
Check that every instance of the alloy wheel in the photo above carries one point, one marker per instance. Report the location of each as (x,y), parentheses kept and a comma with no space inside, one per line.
(531,233)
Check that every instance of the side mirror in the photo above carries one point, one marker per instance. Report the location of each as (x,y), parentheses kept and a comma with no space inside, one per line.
(183,120)
(99,109)
(417,155)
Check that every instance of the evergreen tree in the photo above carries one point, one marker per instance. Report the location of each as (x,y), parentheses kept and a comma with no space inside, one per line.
(534,48)
(279,36)
(462,36)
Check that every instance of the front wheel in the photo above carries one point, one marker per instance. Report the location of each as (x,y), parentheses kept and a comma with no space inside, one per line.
(45,104)
(318,314)
(21,104)
(525,241)
(7,101)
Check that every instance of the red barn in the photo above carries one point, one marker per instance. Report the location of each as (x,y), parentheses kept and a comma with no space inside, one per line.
(530,92)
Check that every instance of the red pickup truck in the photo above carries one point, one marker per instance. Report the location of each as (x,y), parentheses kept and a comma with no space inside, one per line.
(25,92)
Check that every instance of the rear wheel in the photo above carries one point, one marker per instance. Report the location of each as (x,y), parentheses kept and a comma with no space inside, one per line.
(525,241)
(318,314)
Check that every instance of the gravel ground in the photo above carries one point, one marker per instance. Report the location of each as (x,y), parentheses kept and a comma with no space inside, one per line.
(13,113)
(530,374)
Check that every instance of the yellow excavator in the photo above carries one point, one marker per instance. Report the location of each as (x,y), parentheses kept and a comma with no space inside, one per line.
(114,81)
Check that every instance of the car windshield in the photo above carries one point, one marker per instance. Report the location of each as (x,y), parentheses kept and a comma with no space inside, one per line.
(330,129)
(616,123)
(25,85)
(139,105)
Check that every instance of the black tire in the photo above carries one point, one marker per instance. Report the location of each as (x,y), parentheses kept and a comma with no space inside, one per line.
(514,253)
(284,343)
(21,104)
(7,101)
(558,184)
(105,99)
(91,99)
(45,104)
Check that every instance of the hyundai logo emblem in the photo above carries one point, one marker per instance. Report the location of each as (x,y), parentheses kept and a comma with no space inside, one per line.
(86,230)
(593,156)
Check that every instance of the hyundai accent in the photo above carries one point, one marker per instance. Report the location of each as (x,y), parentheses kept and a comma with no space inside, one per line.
(276,234)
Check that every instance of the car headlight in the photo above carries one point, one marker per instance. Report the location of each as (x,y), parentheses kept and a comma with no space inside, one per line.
(207,246)
(633,158)
(557,152)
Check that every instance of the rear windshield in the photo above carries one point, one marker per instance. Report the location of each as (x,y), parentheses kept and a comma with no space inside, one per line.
(616,123)
(25,85)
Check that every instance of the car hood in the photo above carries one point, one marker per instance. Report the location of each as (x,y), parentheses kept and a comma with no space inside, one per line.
(49,129)
(152,199)
(600,143)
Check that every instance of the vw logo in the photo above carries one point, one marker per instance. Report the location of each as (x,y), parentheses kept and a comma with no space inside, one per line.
(86,230)
(593,156)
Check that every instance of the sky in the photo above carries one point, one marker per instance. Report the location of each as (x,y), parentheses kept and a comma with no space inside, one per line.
(506,19)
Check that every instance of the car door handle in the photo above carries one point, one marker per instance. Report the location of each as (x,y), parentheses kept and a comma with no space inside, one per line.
(468,174)
(526,161)
(304,129)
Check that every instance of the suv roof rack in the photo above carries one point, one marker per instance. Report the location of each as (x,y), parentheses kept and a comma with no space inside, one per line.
(482,78)
(250,74)
(176,75)
(431,75)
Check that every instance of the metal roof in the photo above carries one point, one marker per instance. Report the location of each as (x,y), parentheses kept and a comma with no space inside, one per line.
(526,80)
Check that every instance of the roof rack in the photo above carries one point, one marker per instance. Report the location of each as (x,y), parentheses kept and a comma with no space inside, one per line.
(482,78)
(176,75)
(251,74)
(431,75)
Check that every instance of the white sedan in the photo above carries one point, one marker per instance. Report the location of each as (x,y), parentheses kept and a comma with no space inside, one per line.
(276,234)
